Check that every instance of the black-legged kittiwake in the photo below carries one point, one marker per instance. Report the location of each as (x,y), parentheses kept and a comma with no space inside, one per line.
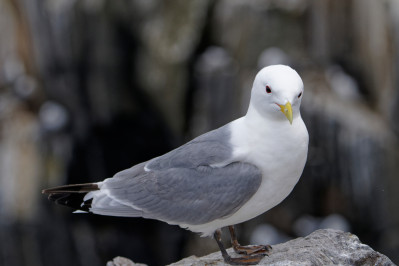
(221,178)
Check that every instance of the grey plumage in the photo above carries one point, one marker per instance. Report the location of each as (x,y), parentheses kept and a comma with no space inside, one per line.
(186,195)
(222,178)
(193,184)
(207,149)
(182,186)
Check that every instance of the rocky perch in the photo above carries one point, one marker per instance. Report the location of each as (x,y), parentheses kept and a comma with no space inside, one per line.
(322,247)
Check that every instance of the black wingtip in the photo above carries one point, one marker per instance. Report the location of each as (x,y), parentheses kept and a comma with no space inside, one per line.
(72,195)
(72,200)
(78,188)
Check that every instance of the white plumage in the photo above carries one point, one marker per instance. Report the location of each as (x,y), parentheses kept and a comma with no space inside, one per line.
(268,142)
(224,177)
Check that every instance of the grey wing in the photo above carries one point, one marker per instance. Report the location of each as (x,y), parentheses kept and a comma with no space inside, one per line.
(207,149)
(182,187)
(188,195)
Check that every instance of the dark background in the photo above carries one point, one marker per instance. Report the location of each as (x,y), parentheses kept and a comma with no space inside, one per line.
(91,87)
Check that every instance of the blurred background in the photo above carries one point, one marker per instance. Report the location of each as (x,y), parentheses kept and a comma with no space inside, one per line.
(91,87)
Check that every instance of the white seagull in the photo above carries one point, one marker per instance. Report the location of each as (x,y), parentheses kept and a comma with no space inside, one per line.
(221,178)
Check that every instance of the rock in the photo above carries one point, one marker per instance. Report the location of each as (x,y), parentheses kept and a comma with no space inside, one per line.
(121,261)
(322,247)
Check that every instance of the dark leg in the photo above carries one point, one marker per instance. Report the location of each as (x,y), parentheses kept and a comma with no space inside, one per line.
(245,260)
(247,250)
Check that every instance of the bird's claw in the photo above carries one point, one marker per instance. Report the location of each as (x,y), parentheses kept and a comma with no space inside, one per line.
(245,260)
(251,250)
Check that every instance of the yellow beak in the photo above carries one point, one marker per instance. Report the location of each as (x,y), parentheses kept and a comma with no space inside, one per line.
(287,111)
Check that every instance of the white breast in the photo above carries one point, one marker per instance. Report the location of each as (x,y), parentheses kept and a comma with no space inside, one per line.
(280,151)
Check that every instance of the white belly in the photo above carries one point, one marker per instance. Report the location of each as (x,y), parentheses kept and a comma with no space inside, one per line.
(281,160)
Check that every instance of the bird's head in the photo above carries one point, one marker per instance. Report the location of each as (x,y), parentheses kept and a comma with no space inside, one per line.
(277,92)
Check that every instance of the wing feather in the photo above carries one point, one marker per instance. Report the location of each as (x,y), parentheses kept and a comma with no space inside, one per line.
(183,186)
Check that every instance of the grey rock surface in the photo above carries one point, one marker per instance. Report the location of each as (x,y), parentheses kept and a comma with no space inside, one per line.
(121,261)
(322,247)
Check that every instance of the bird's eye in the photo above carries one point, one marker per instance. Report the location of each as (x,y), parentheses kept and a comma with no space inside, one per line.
(299,95)
(268,90)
